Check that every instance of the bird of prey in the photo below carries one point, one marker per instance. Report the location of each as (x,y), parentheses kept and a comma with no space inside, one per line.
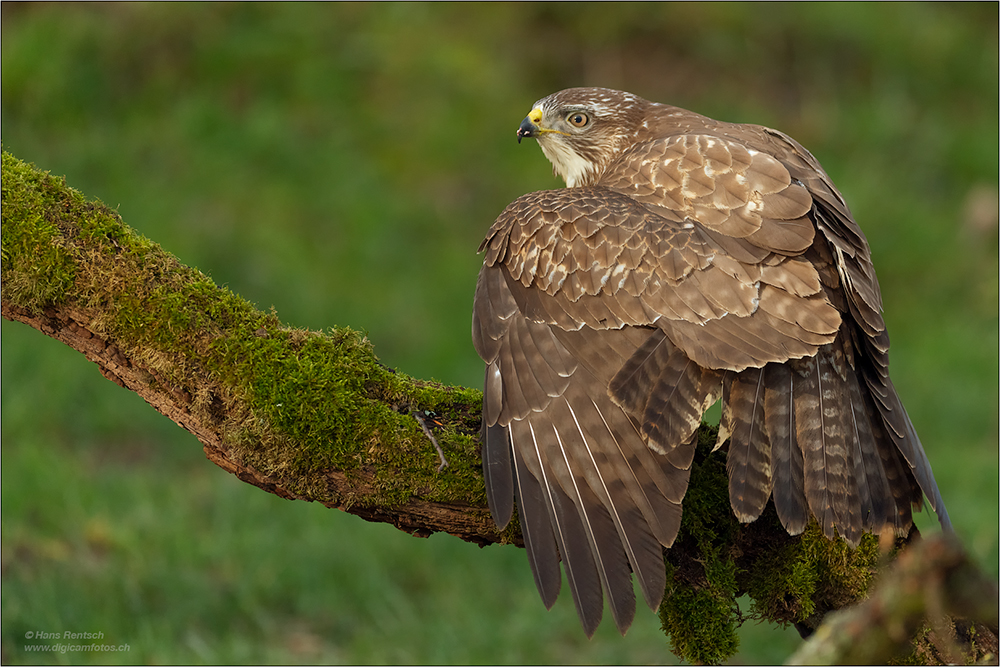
(687,260)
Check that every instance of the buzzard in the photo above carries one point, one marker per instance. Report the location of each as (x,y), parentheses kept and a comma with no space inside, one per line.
(687,260)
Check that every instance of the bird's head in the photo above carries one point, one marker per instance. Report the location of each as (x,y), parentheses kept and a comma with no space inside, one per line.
(581,130)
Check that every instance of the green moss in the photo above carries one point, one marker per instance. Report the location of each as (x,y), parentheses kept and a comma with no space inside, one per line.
(37,266)
(699,611)
(715,560)
(293,404)
(922,652)
(792,581)
(700,623)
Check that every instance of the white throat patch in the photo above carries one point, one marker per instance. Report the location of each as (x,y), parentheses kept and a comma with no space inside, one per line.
(566,161)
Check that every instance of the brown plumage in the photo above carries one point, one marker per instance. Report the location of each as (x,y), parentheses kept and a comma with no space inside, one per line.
(688,260)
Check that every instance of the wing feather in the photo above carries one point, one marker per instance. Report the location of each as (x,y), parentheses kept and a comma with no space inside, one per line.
(537,530)
(614,482)
(567,525)
(779,415)
(586,483)
(749,459)
(718,300)
(497,474)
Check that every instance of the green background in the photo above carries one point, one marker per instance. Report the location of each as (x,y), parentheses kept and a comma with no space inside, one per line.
(341,163)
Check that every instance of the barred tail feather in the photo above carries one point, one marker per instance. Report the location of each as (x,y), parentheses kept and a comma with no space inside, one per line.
(788,477)
(749,460)
(829,475)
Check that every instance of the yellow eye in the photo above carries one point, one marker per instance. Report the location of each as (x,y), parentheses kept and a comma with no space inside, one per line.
(578,119)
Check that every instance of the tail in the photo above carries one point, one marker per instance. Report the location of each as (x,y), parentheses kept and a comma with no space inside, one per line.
(825,436)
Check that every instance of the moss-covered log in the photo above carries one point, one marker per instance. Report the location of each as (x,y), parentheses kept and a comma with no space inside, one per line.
(315,416)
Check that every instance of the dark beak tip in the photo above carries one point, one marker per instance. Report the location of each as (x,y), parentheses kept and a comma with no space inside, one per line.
(527,129)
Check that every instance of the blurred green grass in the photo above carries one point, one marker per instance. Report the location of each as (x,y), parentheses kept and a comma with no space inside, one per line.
(341,164)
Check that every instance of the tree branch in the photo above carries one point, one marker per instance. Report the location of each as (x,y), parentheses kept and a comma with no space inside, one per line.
(301,414)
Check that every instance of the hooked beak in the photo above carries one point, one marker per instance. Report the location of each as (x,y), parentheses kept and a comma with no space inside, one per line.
(527,129)
(529,126)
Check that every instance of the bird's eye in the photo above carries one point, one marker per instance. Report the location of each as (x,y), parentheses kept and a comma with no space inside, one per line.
(578,119)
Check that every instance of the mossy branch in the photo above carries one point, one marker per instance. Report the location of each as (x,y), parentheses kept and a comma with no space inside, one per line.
(300,414)
(315,416)
(932,592)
